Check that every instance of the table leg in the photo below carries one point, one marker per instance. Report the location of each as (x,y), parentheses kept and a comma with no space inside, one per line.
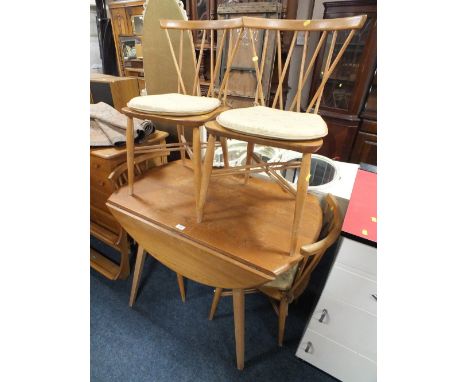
(239,312)
(140,261)
(130,154)
(180,281)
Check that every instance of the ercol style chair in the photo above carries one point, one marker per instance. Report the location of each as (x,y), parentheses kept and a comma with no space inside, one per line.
(187,108)
(289,285)
(119,178)
(274,126)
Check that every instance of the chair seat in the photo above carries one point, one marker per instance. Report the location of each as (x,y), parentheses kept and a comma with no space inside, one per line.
(284,280)
(266,122)
(174,104)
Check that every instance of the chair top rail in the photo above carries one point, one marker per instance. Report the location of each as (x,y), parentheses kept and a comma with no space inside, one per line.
(343,23)
(202,24)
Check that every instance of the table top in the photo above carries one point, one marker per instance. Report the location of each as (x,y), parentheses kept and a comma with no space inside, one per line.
(248,223)
(112,152)
(361,216)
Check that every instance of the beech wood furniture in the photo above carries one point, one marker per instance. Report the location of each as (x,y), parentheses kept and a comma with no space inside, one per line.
(106,177)
(194,122)
(272,29)
(241,244)
(115,91)
(289,285)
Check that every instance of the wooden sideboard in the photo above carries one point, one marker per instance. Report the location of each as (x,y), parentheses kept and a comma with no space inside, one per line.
(103,225)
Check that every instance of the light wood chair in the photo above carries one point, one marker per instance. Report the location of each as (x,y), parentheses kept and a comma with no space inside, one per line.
(119,178)
(272,28)
(288,286)
(226,40)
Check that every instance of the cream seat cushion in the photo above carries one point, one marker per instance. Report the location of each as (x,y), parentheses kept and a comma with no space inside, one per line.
(174,104)
(273,123)
(284,280)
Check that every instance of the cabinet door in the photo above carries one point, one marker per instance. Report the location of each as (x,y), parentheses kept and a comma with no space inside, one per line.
(365,149)
(119,26)
(119,22)
(347,87)
(135,19)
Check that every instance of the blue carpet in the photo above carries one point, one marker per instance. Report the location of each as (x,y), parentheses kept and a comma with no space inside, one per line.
(163,339)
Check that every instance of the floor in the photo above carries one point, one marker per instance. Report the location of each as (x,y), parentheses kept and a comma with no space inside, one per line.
(164,339)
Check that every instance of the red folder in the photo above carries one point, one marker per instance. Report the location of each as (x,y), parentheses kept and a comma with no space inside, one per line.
(361,216)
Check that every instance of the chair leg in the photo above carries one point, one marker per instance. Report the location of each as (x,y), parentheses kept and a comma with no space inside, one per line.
(140,261)
(283,312)
(302,185)
(207,168)
(224,146)
(180,281)
(130,154)
(124,260)
(197,163)
(214,304)
(248,160)
(180,133)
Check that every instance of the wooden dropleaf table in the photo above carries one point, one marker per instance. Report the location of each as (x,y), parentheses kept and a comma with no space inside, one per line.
(243,241)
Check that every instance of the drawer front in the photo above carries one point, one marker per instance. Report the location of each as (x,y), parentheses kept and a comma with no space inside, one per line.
(101,183)
(335,359)
(358,257)
(349,287)
(101,165)
(351,327)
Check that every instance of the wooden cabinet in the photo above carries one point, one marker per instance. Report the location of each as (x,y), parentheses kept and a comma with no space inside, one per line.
(365,146)
(124,25)
(103,161)
(346,93)
(115,91)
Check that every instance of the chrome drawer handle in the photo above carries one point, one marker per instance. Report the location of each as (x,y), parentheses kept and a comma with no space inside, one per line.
(308,347)
(324,314)
(375,296)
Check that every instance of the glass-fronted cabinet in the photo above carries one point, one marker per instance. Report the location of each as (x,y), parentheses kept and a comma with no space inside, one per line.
(338,92)
(346,91)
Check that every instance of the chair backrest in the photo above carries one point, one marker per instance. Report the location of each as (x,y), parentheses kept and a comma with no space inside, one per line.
(273,29)
(313,253)
(206,28)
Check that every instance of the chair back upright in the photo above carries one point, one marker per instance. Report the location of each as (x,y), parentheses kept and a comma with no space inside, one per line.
(274,28)
(331,228)
(207,28)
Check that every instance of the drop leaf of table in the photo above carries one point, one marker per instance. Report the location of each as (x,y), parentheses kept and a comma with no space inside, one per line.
(242,243)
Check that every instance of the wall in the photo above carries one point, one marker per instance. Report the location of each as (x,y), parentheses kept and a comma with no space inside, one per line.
(306,10)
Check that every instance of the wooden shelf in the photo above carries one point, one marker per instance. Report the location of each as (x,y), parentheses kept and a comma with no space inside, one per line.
(103,265)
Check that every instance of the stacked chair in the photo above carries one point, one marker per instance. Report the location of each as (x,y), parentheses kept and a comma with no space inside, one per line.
(274,126)
(295,127)
(187,109)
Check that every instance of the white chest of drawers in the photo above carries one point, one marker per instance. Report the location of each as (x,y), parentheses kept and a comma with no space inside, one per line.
(341,337)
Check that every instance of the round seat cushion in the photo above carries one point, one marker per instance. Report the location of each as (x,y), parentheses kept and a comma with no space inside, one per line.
(266,122)
(174,104)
